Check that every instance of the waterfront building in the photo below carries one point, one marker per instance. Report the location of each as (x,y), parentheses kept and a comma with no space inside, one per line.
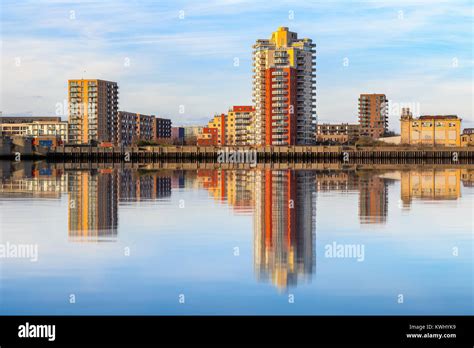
(93,111)
(29,119)
(208,137)
(284,90)
(191,134)
(238,124)
(35,127)
(135,127)
(177,135)
(162,128)
(373,115)
(443,130)
(467,137)
(215,132)
(341,133)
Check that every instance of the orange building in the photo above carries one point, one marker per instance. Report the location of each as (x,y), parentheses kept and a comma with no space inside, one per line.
(284,90)
(214,134)
(281,122)
(208,137)
(373,115)
(284,225)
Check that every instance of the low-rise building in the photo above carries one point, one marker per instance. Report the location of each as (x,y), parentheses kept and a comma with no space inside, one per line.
(216,137)
(40,126)
(191,134)
(431,130)
(208,137)
(341,133)
(467,137)
(219,122)
(177,135)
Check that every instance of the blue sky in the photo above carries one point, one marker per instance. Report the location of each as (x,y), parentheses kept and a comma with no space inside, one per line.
(417,53)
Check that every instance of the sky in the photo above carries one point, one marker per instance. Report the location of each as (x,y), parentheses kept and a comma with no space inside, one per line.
(187,60)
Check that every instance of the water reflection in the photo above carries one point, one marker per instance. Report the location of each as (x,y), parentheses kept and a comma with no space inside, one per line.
(284,226)
(433,184)
(282,203)
(93,200)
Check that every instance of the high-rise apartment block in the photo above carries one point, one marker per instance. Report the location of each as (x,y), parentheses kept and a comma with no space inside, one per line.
(373,115)
(93,111)
(284,90)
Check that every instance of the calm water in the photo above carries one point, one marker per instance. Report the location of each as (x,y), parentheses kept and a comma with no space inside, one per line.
(324,241)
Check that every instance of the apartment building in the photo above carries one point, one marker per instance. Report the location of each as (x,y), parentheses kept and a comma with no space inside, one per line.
(93,111)
(373,115)
(467,137)
(177,135)
(208,137)
(341,133)
(284,90)
(162,128)
(135,127)
(35,127)
(238,125)
(191,134)
(214,133)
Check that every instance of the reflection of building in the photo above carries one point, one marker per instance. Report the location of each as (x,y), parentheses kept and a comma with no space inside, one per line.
(92,205)
(178,179)
(433,184)
(373,115)
(213,181)
(373,198)
(430,130)
(240,190)
(467,177)
(27,180)
(336,181)
(284,225)
(135,186)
